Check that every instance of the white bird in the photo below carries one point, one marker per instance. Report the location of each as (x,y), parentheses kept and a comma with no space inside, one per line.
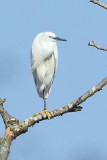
(44,60)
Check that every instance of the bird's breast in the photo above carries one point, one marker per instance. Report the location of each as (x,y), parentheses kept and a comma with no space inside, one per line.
(47,49)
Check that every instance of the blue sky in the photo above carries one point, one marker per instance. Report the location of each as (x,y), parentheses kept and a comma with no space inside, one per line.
(74,135)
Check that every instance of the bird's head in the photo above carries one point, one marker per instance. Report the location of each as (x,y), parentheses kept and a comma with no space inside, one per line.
(50,37)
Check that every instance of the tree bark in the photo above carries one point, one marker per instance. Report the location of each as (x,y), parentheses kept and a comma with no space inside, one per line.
(4,148)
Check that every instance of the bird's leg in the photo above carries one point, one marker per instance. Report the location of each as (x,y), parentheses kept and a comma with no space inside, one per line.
(47,112)
(44,103)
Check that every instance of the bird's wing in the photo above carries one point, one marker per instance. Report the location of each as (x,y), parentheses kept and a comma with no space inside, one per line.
(36,59)
(38,54)
(55,55)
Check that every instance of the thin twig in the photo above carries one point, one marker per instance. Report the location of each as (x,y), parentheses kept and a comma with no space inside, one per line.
(5,115)
(92,43)
(99,3)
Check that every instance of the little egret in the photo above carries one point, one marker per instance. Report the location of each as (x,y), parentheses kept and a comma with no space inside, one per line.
(44,60)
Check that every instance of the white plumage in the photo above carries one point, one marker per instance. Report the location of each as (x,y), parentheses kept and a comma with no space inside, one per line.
(44,60)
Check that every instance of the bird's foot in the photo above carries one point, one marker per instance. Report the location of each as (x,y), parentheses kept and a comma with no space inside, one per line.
(48,113)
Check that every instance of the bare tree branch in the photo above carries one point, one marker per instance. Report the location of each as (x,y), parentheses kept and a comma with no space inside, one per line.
(14,128)
(92,43)
(99,3)
(22,127)
(71,107)
(6,141)
(5,115)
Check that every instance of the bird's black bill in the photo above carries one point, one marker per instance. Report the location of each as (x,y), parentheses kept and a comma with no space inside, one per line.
(59,39)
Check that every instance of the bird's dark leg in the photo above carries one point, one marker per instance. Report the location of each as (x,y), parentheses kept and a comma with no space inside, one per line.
(44,99)
(44,103)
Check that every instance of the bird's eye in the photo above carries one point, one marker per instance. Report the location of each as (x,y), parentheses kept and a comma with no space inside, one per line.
(50,37)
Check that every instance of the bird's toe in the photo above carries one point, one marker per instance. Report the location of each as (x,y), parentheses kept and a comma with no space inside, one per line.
(48,113)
